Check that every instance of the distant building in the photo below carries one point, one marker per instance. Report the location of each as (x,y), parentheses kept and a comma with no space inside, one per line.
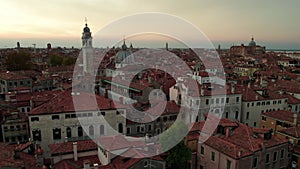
(87,51)
(257,101)
(11,81)
(278,120)
(15,128)
(251,49)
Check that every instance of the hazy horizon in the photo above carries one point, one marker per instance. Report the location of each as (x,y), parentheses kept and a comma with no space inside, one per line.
(76,43)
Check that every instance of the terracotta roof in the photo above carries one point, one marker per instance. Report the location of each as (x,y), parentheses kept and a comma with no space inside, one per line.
(64,102)
(283,115)
(71,164)
(12,76)
(7,158)
(67,147)
(291,131)
(118,142)
(242,140)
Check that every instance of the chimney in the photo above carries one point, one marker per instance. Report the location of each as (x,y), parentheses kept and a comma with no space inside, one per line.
(227,132)
(39,157)
(75,151)
(295,119)
(202,91)
(232,88)
(86,164)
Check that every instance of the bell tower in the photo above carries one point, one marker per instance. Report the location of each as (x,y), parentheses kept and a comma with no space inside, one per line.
(87,50)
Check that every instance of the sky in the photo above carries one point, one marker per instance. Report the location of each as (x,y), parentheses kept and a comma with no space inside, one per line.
(273,23)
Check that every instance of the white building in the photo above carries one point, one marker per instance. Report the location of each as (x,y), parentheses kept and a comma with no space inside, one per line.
(57,120)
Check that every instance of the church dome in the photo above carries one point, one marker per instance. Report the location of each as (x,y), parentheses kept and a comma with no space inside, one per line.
(252,42)
(86,28)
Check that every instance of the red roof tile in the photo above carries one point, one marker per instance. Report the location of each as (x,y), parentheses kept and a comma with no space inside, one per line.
(67,147)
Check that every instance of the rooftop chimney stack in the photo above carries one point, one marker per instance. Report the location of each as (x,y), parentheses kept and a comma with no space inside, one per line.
(75,151)
(95,166)
(232,88)
(86,164)
(295,119)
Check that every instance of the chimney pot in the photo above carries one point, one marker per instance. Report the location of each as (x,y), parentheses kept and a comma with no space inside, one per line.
(75,151)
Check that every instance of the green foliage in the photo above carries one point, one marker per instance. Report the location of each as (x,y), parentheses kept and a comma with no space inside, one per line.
(56,60)
(69,61)
(180,154)
(173,135)
(18,60)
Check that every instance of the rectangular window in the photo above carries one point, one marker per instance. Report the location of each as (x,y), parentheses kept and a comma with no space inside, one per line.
(226,115)
(202,150)
(55,117)
(247,115)
(36,135)
(73,115)
(237,99)
(222,100)
(248,104)
(282,154)
(252,104)
(197,102)
(227,100)
(212,156)
(228,164)
(207,101)
(35,119)
(236,115)
(275,156)
(217,100)
(56,134)
(128,130)
(90,114)
(138,129)
(267,159)
(254,163)
(263,118)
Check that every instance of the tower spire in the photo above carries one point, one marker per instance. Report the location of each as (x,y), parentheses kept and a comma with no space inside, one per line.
(85,19)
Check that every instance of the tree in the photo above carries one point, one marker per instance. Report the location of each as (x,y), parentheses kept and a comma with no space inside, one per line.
(18,60)
(179,155)
(69,61)
(56,60)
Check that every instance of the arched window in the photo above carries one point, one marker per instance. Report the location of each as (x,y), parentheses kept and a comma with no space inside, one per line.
(69,132)
(120,128)
(101,130)
(80,131)
(91,130)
